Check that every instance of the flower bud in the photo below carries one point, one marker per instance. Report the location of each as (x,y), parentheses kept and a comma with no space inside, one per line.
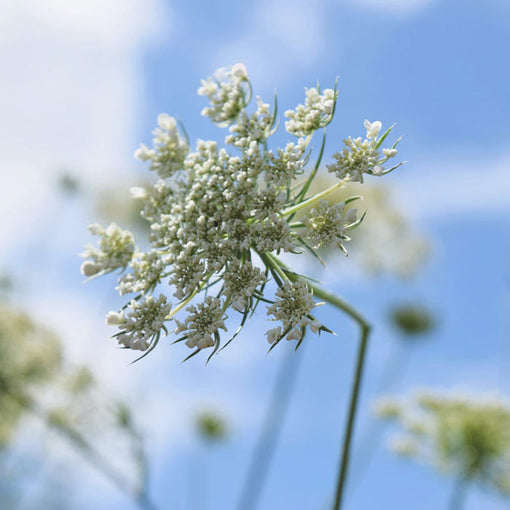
(239,71)
(372,128)
(89,268)
(390,153)
(115,318)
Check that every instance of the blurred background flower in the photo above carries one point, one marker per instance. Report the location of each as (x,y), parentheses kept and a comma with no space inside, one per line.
(461,435)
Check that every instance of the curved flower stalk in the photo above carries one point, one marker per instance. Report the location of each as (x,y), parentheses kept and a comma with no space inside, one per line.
(219,219)
(465,436)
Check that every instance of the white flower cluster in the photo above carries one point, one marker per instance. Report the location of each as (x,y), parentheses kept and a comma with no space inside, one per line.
(169,148)
(293,309)
(240,283)
(202,324)
(251,128)
(316,113)
(360,157)
(143,324)
(327,223)
(147,269)
(115,251)
(226,94)
(212,214)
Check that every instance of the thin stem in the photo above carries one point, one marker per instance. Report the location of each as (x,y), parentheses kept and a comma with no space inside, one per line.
(344,462)
(313,199)
(269,435)
(458,496)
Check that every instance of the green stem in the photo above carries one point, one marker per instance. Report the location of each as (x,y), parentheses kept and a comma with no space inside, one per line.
(312,200)
(342,305)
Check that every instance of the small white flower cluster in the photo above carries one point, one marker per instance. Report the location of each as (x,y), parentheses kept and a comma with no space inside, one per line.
(143,324)
(360,157)
(327,223)
(212,213)
(292,308)
(287,164)
(147,269)
(116,249)
(169,148)
(251,128)
(240,283)
(226,94)
(316,113)
(202,324)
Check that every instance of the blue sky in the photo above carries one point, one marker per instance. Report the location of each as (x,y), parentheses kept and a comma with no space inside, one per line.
(439,68)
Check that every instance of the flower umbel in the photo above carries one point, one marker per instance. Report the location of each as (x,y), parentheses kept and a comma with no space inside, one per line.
(360,157)
(115,251)
(219,221)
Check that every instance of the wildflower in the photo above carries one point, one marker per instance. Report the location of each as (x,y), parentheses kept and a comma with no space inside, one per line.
(218,222)
(147,269)
(143,323)
(241,282)
(226,94)
(115,251)
(203,323)
(316,113)
(360,156)
(169,148)
(372,128)
(292,308)
(327,223)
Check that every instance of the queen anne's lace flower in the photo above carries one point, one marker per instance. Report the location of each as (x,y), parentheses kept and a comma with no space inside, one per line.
(360,156)
(316,113)
(202,323)
(292,308)
(226,94)
(327,223)
(115,250)
(241,282)
(251,128)
(147,269)
(169,148)
(142,324)
(218,222)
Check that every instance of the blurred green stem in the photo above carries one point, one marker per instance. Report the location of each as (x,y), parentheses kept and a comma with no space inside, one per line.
(77,440)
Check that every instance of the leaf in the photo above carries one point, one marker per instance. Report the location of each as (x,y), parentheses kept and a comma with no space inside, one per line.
(383,137)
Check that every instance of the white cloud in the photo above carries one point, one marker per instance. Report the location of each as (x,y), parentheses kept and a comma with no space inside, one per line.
(69,95)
